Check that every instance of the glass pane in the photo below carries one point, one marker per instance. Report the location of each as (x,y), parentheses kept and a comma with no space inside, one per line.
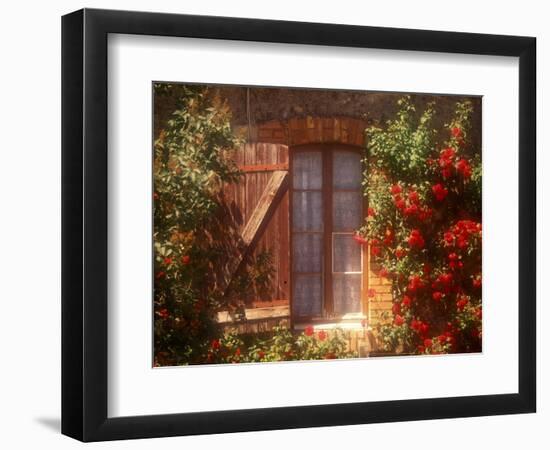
(346,253)
(346,292)
(307,296)
(307,252)
(346,170)
(307,170)
(346,211)
(307,211)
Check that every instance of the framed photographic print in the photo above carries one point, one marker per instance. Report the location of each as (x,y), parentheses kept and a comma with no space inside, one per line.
(274,224)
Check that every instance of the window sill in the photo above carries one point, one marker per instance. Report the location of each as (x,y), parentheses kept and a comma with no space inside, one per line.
(344,323)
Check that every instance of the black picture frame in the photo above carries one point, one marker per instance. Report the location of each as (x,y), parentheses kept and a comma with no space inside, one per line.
(84,224)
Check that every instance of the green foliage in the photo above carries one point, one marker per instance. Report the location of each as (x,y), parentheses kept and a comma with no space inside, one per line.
(280,345)
(253,281)
(192,158)
(401,150)
(424,229)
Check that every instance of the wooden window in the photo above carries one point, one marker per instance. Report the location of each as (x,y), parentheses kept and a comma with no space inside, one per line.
(327,208)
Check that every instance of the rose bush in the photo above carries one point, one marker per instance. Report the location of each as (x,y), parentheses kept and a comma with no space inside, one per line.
(279,345)
(423,229)
(192,157)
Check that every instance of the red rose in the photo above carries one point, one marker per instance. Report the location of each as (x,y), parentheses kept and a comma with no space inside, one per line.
(442,339)
(446,172)
(461,304)
(425,214)
(308,330)
(406,301)
(462,242)
(371,292)
(437,296)
(371,212)
(421,349)
(215,344)
(440,192)
(476,282)
(395,189)
(186,259)
(464,168)
(322,335)
(399,203)
(416,240)
(411,210)
(396,308)
(399,320)
(456,132)
(446,156)
(413,197)
(423,328)
(375,250)
(428,343)
(399,253)
(163,313)
(160,275)
(238,352)
(445,278)
(261,354)
(383,273)
(415,283)
(167,261)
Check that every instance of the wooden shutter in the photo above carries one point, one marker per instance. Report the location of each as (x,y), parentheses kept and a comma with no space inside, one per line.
(258,203)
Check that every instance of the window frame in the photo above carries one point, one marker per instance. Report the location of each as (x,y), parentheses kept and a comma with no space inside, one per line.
(328,314)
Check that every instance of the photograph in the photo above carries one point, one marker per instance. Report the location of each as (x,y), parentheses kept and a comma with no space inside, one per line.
(295,224)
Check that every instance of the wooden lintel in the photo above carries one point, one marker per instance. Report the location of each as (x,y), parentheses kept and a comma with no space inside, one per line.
(263,167)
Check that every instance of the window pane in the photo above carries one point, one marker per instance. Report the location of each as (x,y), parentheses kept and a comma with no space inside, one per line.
(307,211)
(307,252)
(346,211)
(346,170)
(346,253)
(346,292)
(307,295)
(307,170)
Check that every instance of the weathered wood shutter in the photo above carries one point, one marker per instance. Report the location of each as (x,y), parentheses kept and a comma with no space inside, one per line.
(259,205)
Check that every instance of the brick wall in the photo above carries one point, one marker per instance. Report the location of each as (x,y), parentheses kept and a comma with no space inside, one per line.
(308,130)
